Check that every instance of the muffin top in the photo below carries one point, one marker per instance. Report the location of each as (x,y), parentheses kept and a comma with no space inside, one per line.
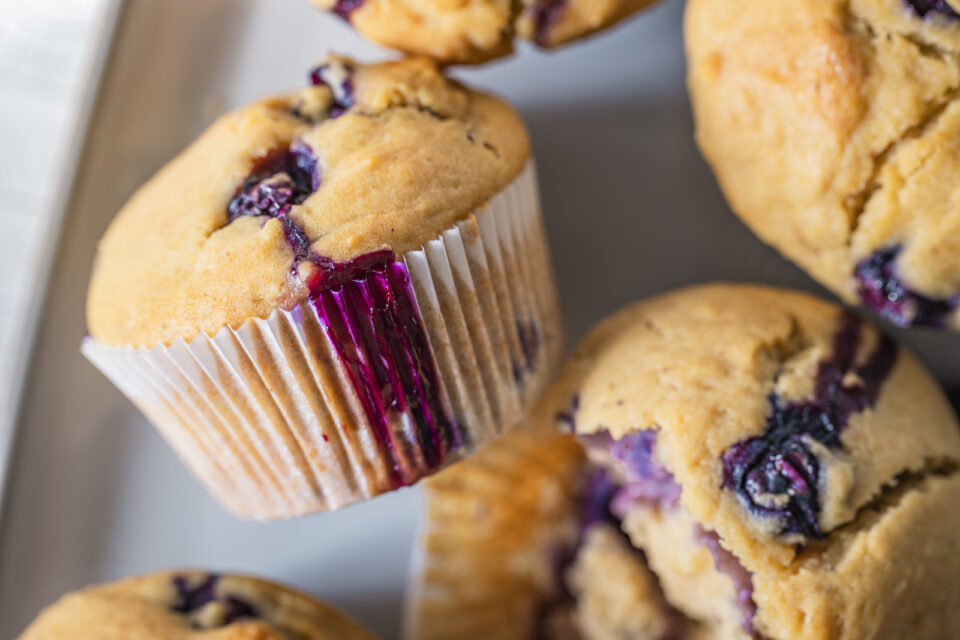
(477,30)
(287,195)
(833,127)
(191,604)
(781,417)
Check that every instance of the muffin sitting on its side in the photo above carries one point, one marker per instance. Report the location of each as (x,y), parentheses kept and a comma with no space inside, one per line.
(833,127)
(761,465)
(333,293)
(477,30)
(788,472)
(191,604)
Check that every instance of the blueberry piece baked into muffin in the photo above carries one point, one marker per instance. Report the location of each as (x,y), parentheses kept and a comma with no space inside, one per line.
(833,129)
(788,472)
(335,292)
(191,604)
(477,30)
(519,543)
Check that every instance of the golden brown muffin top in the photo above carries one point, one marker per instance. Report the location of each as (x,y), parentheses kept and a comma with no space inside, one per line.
(833,127)
(179,605)
(475,31)
(732,379)
(247,218)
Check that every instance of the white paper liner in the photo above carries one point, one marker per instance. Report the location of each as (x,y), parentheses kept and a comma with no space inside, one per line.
(266,415)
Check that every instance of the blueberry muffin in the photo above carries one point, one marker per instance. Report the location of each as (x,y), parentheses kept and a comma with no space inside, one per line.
(334,292)
(477,30)
(833,129)
(788,472)
(191,604)
(519,543)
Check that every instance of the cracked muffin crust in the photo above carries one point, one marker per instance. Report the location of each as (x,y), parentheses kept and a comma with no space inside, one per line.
(191,604)
(518,543)
(789,472)
(477,30)
(369,158)
(833,129)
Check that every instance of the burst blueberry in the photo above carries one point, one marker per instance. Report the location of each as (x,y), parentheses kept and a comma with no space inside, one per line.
(925,7)
(192,597)
(881,288)
(338,77)
(778,474)
(283,178)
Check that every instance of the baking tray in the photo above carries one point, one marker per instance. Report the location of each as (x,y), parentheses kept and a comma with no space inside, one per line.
(631,209)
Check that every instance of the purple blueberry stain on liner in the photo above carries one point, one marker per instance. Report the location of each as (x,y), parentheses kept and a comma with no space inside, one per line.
(881,289)
(368,311)
(778,474)
(338,76)
(925,7)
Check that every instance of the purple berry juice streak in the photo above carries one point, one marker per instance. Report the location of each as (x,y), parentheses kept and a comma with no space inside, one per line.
(372,320)
(881,289)
(339,78)
(190,598)
(646,481)
(777,474)
(729,565)
(923,7)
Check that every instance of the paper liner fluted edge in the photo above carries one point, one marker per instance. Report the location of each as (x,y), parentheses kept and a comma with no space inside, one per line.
(265,416)
(485,556)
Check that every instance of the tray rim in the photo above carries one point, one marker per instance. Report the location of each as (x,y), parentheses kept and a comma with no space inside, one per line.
(25,335)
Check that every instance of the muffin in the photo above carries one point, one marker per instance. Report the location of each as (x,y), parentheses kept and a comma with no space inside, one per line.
(335,292)
(191,604)
(833,130)
(519,543)
(788,472)
(479,30)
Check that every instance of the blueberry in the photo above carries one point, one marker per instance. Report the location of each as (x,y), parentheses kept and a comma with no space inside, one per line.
(923,7)
(881,289)
(344,8)
(192,597)
(546,13)
(778,473)
(338,76)
(283,178)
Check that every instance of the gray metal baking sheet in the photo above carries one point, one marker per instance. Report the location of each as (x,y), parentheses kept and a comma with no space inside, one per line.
(631,210)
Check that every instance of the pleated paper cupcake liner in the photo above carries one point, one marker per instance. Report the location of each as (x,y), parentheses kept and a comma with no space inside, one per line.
(494,525)
(369,385)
